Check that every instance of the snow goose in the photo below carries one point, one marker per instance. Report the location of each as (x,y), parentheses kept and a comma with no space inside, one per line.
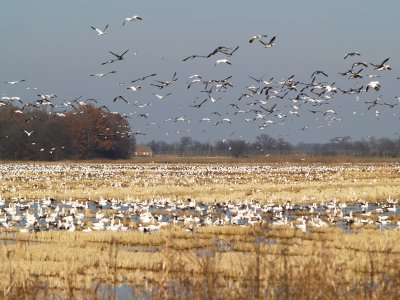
(130,19)
(99,31)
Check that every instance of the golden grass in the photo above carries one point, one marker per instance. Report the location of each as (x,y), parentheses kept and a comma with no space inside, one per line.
(266,183)
(238,262)
(228,262)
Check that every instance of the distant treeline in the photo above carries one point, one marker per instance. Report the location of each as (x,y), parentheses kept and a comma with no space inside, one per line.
(266,145)
(85,133)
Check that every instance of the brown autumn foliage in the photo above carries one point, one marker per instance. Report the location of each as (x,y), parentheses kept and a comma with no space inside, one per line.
(99,133)
(38,134)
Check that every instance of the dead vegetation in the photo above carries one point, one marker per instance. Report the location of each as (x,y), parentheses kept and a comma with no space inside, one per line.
(266,183)
(209,263)
(224,262)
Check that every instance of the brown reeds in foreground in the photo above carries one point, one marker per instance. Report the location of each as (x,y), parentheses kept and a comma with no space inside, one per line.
(210,263)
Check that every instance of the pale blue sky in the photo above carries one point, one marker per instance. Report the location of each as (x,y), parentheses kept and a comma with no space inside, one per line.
(51,45)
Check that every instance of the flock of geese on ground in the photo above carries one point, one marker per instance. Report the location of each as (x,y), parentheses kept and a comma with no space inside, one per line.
(261,102)
(149,216)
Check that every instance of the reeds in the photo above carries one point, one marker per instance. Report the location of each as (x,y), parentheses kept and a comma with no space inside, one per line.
(259,262)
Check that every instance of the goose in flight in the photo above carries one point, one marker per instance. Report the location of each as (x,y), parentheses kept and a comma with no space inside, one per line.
(373,85)
(230,53)
(28,132)
(120,97)
(218,49)
(130,19)
(360,63)
(161,97)
(200,104)
(352,54)
(134,88)
(257,37)
(270,43)
(222,61)
(163,84)
(192,57)
(356,74)
(47,97)
(14,82)
(103,74)
(319,72)
(118,57)
(99,31)
(382,66)
(143,77)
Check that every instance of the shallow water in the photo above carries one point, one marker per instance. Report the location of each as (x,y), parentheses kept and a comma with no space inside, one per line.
(181,214)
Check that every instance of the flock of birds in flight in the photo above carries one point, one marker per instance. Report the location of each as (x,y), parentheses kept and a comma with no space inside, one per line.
(263,102)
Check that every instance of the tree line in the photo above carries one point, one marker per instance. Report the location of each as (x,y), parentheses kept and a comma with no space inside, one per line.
(266,145)
(87,132)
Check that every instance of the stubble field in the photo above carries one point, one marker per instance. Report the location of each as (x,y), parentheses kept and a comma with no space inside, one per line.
(240,230)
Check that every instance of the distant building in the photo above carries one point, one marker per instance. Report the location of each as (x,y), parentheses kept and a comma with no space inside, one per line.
(142,150)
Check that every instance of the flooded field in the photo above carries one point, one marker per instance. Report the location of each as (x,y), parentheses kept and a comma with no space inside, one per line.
(91,230)
(146,197)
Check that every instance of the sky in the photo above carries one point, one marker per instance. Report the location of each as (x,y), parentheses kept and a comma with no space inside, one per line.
(50,44)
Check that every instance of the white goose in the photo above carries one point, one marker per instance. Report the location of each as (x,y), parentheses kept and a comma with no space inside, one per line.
(99,31)
(130,19)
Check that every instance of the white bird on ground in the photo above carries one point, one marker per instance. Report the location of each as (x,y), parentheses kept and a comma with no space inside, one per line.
(99,31)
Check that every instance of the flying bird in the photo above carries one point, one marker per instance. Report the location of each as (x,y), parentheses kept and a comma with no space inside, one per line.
(134,88)
(218,49)
(319,72)
(143,77)
(28,132)
(257,37)
(103,74)
(121,98)
(14,82)
(130,19)
(270,43)
(118,57)
(222,61)
(373,85)
(192,57)
(161,97)
(382,66)
(352,54)
(99,31)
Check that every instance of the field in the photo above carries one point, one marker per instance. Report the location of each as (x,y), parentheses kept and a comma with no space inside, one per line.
(291,228)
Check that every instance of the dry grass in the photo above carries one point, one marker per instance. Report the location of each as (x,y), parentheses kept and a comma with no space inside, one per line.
(266,183)
(228,262)
(225,262)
